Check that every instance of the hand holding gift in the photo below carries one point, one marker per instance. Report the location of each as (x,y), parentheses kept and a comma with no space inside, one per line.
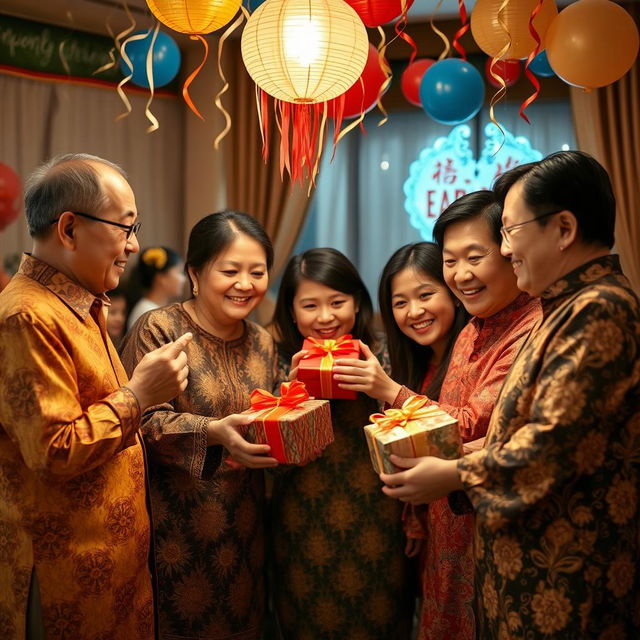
(315,367)
(296,428)
(417,429)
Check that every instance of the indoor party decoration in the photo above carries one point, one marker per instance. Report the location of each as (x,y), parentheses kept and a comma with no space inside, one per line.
(508,70)
(541,67)
(165,59)
(363,94)
(195,18)
(592,43)
(375,13)
(452,91)
(411,79)
(501,27)
(302,53)
(10,193)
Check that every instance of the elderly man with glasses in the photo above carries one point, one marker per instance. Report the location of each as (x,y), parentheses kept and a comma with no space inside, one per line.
(74,529)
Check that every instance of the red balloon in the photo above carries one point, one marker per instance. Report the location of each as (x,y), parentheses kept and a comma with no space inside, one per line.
(377,12)
(373,78)
(411,78)
(10,191)
(508,70)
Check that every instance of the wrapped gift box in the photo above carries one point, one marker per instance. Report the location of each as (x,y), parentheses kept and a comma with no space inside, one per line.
(315,369)
(297,429)
(416,429)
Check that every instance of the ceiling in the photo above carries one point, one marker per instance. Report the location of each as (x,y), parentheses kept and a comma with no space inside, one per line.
(92,15)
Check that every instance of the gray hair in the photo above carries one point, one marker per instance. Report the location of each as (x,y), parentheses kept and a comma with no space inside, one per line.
(67,182)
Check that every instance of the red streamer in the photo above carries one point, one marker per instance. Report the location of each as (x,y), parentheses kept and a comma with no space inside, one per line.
(460,32)
(530,75)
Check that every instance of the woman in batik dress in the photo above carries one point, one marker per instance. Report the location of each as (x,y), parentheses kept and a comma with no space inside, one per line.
(206,481)
(339,567)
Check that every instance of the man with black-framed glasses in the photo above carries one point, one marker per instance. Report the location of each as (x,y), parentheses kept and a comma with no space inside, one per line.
(75,530)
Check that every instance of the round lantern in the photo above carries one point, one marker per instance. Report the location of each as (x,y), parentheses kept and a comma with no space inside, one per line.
(490,35)
(452,91)
(540,65)
(378,12)
(363,95)
(304,51)
(592,43)
(411,79)
(194,16)
(166,59)
(508,70)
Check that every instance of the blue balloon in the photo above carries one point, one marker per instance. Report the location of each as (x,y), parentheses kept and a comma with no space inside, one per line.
(166,59)
(452,91)
(540,65)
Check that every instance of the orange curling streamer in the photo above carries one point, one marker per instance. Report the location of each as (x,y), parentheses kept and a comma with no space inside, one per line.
(460,32)
(192,76)
(530,75)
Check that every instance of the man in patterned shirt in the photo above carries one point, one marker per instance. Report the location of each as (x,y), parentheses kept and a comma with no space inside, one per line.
(74,530)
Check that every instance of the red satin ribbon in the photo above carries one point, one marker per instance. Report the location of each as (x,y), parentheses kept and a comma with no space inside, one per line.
(463,29)
(292,394)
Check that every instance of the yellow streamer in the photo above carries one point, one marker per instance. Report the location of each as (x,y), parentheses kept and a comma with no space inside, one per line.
(127,61)
(384,65)
(323,124)
(443,37)
(225,87)
(147,110)
(112,57)
(120,47)
(502,91)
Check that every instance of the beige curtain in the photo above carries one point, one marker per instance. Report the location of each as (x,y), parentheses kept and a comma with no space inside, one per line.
(607,125)
(39,119)
(251,185)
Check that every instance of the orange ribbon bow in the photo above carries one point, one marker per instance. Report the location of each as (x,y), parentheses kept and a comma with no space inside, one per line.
(413,408)
(291,395)
(329,349)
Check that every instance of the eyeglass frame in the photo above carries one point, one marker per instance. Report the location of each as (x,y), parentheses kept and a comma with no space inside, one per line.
(131,229)
(506,231)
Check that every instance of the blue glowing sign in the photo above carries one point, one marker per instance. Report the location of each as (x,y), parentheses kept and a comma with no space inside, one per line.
(447,170)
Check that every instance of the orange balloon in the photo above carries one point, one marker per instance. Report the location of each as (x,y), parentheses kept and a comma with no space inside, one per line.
(490,35)
(592,43)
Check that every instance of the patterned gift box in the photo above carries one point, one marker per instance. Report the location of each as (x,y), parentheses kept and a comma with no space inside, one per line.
(414,430)
(315,368)
(297,429)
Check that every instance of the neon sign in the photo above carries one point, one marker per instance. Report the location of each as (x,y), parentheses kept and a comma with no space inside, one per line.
(447,170)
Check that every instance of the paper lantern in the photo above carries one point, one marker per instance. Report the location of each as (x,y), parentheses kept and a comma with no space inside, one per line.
(304,51)
(194,16)
(592,43)
(490,35)
(378,12)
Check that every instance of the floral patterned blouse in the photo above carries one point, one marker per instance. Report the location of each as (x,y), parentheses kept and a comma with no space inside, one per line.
(556,487)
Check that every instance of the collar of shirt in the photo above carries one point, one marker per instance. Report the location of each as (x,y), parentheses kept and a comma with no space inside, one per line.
(583,276)
(493,325)
(77,298)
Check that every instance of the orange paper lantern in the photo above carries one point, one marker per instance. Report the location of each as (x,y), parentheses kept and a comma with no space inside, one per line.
(490,35)
(194,16)
(592,43)
(304,51)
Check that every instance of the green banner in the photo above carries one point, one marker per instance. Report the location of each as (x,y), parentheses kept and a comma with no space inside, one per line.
(54,50)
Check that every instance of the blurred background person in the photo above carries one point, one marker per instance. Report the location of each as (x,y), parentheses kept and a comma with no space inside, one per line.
(117,315)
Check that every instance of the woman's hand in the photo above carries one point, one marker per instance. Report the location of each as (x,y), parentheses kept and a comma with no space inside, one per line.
(295,361)
(225,432)
(365,375)
(413,547)
(423,480)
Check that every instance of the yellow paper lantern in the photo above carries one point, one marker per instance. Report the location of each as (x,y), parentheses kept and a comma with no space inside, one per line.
(491,36)
(194,16)
(304,51)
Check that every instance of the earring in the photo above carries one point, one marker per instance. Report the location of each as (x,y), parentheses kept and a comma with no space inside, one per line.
(195,292)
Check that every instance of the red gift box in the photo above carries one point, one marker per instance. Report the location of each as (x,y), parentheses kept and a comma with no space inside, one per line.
(297,429)
(315,368)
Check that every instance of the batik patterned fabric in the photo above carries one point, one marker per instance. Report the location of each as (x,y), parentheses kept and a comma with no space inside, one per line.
(481,359)
(207,510)
(340,571)
(72,477)
(556,487)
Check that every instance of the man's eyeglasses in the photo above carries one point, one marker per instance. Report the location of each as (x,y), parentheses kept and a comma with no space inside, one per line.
(129,228)
(506,231)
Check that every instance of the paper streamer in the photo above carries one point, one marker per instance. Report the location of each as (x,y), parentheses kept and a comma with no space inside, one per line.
(530,75)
